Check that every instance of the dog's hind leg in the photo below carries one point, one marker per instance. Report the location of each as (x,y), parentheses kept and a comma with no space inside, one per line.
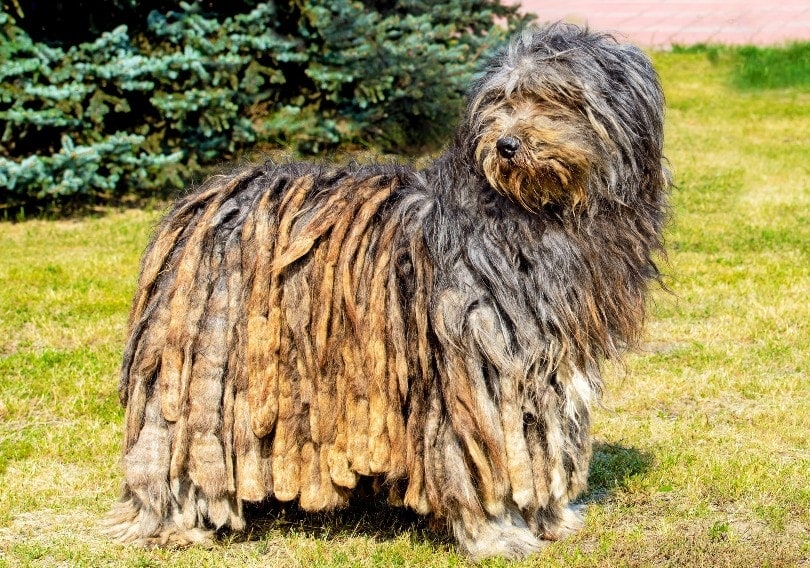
(148,513)
(178,384)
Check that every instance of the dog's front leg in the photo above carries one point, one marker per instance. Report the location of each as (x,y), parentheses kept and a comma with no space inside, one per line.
(476,449)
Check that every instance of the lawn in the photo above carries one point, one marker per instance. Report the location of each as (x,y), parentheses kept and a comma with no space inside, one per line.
(702,444)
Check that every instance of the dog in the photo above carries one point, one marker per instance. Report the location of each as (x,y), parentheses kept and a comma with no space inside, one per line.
(299,329)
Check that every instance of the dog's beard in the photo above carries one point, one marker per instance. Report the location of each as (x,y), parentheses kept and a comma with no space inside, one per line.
(554,158)
(535,183)
(535,178)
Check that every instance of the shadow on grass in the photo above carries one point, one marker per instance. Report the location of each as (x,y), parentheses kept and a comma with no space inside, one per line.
(612,468)
(366,515)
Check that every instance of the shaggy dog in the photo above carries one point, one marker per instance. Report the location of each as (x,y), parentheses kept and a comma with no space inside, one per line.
(297,327)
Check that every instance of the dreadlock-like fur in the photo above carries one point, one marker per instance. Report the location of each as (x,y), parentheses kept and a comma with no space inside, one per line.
(299,326)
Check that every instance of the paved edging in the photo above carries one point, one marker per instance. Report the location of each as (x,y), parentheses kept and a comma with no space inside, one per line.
(662,23)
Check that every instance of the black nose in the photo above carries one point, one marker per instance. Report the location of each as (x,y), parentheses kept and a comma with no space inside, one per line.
(507,146)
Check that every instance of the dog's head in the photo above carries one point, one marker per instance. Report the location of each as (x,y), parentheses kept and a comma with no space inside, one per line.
(563,115)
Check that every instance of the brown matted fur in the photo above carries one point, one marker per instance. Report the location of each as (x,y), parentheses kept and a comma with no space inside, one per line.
(297,326)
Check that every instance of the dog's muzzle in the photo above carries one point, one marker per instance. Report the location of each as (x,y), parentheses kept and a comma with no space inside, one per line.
(507,146)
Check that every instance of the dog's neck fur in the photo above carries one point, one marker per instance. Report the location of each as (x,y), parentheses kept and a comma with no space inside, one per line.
(584,281)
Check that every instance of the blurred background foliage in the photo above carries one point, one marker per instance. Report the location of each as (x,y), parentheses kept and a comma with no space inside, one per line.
(104,99)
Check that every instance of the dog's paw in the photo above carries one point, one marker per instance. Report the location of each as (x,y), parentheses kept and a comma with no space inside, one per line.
(507,536)
(565,524)
(512,543)
(128,524)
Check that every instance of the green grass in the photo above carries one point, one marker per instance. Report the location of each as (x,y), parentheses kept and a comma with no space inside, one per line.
(762,67)
(702,453)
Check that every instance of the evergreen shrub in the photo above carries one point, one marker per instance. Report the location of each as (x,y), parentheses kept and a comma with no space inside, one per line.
(149,102)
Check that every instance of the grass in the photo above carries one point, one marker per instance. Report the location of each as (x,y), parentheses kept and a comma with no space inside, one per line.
(702,453)
(762,67)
